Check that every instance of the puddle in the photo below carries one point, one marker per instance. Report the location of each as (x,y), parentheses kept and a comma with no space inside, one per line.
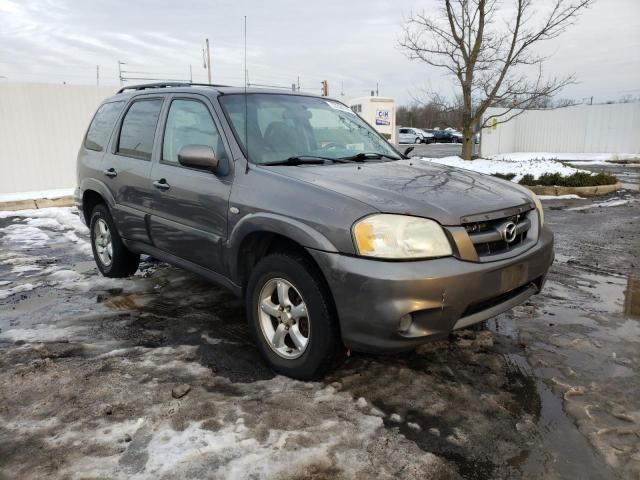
(557,445)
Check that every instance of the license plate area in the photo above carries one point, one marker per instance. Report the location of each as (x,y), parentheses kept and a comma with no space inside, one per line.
(513,277)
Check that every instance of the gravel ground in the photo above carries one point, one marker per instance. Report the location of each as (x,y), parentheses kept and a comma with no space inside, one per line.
(155,376)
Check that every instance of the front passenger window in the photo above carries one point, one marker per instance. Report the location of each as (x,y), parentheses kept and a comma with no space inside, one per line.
(189,123)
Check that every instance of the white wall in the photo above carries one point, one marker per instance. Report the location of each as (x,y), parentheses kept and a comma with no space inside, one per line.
(41,128)
(580,129)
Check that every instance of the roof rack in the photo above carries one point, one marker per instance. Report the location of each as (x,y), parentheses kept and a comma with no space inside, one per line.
(145,86)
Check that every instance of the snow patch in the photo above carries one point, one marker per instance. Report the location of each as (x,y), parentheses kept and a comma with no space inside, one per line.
(25,236)
(608,203)
(25,287)
(36,195)
(535,167)
(571,196)
(583,157)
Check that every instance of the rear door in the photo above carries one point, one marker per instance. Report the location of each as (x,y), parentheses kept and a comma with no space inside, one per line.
(127,166)
(189,218)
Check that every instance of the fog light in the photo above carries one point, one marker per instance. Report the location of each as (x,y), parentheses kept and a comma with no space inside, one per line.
(405,322)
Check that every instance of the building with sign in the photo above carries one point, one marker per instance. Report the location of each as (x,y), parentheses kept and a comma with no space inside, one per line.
(379,112)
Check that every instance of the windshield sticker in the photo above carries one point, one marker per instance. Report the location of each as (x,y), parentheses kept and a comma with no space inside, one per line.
(359,147)
(339,106)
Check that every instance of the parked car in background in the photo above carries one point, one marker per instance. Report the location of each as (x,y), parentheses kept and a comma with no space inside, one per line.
(442,136)
(428,136)
(411,135)
(455,134)
(333,238)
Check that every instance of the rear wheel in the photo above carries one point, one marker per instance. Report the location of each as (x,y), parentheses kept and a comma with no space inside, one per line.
(291,316)
(112,257)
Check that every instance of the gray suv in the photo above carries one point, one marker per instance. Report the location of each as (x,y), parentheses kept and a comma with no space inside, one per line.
(335,240)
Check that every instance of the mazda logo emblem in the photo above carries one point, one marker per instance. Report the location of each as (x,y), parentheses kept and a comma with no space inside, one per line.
(509,232)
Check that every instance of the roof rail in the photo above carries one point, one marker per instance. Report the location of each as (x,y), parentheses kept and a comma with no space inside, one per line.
(145,86)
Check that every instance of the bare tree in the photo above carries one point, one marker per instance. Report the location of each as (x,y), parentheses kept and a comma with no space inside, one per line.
(490,52)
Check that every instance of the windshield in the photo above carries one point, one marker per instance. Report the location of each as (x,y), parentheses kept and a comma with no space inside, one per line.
(286,126)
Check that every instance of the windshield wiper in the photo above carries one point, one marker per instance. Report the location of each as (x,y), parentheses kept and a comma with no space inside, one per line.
(300,160)
(364,156)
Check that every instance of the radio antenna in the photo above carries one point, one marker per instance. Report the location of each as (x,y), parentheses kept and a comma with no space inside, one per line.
(246,123)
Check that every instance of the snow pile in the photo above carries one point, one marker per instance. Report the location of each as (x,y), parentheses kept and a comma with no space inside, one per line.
(31,233)
(520,168)
(581,157)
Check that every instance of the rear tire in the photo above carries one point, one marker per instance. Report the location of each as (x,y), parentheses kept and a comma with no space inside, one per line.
(112,257)
(299,345)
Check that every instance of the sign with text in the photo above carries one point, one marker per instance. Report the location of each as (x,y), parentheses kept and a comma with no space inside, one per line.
(383,117)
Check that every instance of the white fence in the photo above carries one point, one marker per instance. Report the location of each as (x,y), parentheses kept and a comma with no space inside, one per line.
(580,129)
(41,128)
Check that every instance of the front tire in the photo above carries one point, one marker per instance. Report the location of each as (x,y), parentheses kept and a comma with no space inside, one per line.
(291,316)
(112,257)
(417,141)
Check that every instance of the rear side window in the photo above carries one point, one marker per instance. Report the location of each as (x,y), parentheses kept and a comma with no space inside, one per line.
(101,126)
(139,128)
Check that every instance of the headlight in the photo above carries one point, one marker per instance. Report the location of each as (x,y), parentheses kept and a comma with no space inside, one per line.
(538,204)
(400,237)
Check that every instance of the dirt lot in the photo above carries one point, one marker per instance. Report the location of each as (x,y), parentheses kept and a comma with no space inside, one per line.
(155,376)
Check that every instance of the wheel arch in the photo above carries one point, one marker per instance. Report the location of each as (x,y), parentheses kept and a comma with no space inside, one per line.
(93,193)
(257,235)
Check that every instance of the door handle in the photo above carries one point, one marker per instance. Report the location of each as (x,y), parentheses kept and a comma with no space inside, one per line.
(161,184)
(110,172)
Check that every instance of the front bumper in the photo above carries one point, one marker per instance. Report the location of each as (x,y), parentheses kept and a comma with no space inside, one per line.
(441,294)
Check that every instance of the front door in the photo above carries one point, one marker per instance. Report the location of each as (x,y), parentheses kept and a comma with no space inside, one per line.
(189,217)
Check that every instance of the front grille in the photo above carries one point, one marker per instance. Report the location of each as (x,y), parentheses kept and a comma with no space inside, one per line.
(488,236)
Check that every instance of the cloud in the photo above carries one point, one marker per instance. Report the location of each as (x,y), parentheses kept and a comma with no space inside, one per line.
(353,44)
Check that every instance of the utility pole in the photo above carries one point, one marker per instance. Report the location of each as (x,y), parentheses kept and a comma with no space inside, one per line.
(208,61)
(376,89)
(298,82)
(97,75)
(325,88)
(342,88)
(190,74)
(120,71)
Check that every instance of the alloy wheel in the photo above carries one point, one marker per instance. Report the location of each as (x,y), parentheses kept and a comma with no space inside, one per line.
(283,318)
(102,242)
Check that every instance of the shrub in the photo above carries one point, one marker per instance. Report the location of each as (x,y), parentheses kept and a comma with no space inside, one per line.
(578,179)
(504,176)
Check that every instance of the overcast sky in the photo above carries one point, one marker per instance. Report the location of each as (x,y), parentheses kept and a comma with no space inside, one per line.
(350,43)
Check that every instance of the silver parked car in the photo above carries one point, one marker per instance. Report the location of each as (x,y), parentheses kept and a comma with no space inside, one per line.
(334,239)
(411,135)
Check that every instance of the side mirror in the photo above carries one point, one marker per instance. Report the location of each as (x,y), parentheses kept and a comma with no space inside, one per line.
(408,151)
(198,156)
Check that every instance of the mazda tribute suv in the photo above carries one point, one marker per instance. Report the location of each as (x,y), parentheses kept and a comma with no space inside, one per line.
(335,240)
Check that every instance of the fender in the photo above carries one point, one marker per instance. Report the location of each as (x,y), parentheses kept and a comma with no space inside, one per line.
(295,230)
(98,187)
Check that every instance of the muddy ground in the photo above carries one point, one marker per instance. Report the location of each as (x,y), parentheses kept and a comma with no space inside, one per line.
(156,377)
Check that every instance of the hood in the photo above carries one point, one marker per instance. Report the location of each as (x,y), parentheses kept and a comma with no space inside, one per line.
(415,187)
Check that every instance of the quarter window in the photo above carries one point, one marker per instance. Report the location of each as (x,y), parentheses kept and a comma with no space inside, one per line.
(101,126)
(138,129)
(189,123)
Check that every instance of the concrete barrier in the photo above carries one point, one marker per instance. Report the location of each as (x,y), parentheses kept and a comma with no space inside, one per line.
(582,191)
